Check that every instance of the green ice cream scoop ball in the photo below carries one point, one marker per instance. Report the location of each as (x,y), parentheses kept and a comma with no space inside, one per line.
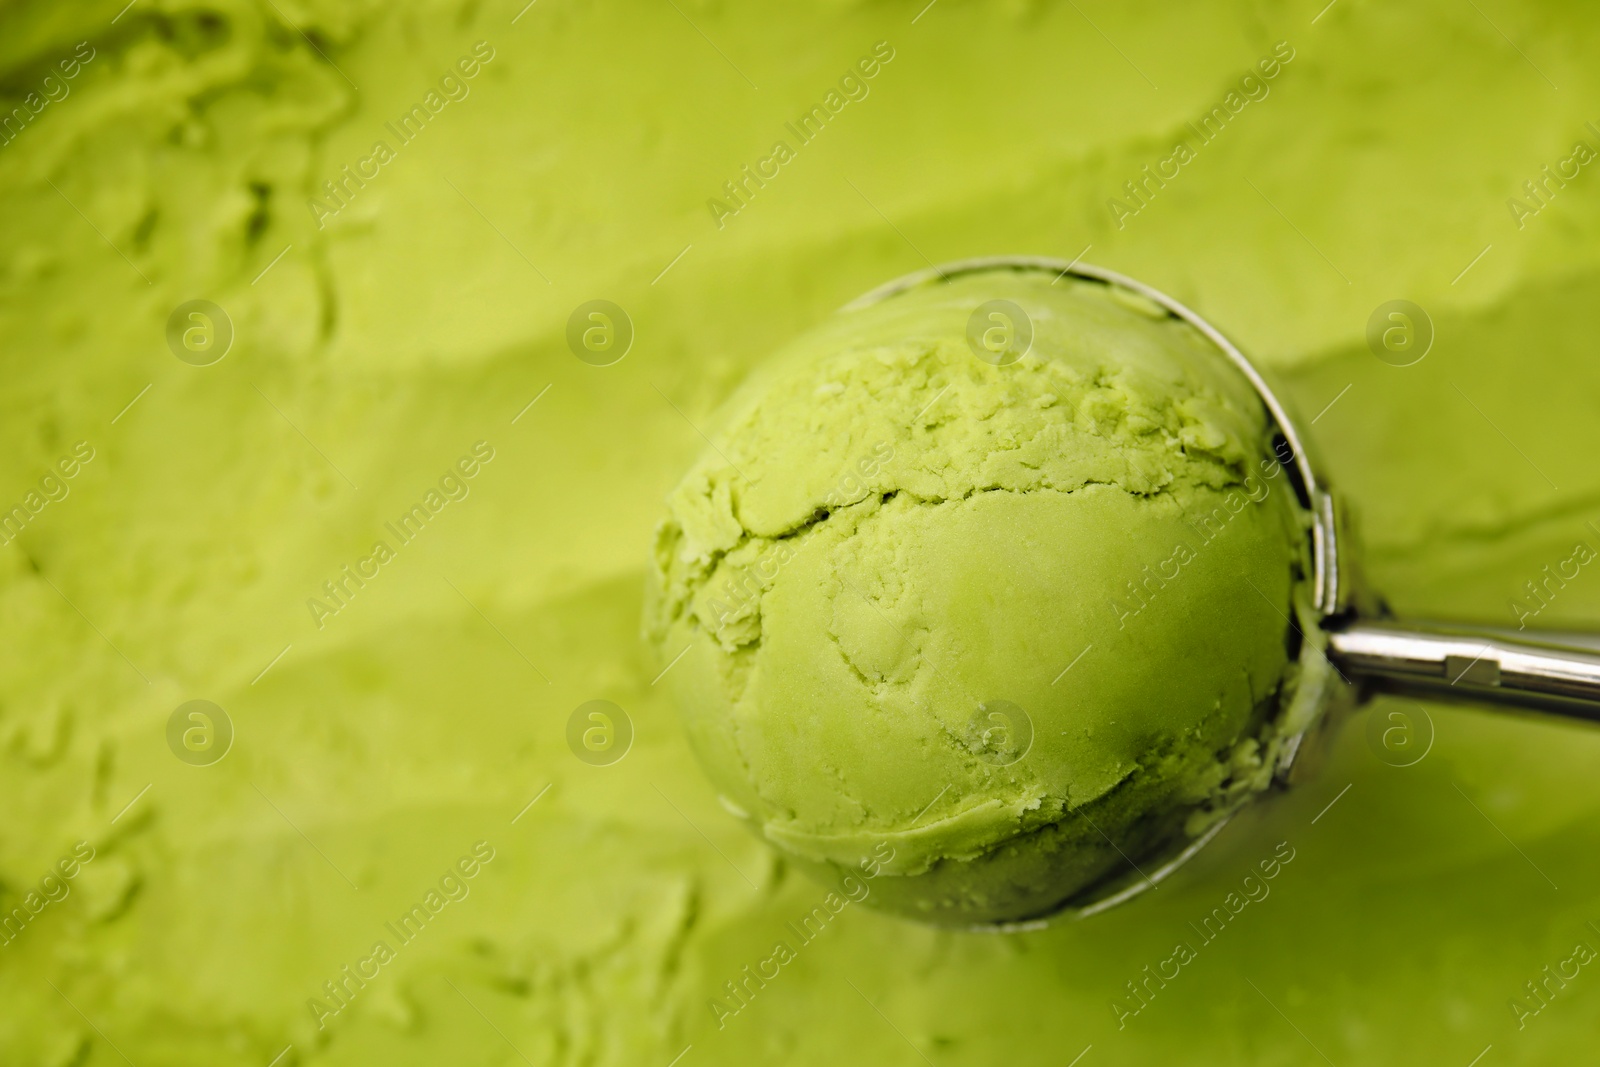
(977,626)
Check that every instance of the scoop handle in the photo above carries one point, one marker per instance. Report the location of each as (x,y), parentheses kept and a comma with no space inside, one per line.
(1538,671)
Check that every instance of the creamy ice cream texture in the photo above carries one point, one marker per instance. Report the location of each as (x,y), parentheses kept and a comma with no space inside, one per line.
(890,535)
(178,563)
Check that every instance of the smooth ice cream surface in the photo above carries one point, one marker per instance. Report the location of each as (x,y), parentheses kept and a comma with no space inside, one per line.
(378,344)
(892,546)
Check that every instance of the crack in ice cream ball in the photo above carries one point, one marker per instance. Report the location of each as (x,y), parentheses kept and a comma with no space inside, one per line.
(987,632)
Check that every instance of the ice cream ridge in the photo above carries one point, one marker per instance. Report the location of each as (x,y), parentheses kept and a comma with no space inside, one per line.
(987,629)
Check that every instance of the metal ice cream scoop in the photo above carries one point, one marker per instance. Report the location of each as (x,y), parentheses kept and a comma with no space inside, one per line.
(1366,647)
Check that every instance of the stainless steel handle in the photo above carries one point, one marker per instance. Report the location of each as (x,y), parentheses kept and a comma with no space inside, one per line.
(1537,671)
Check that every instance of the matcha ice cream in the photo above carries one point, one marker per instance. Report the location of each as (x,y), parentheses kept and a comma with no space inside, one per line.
(1011,623)
(168,151)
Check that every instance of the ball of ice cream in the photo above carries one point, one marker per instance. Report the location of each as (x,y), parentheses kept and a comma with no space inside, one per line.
(985,630)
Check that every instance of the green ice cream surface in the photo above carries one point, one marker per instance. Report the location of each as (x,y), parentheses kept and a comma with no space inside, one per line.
(185,156)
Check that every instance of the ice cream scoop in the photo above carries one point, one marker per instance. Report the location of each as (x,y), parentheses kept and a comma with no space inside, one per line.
(1009,585)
